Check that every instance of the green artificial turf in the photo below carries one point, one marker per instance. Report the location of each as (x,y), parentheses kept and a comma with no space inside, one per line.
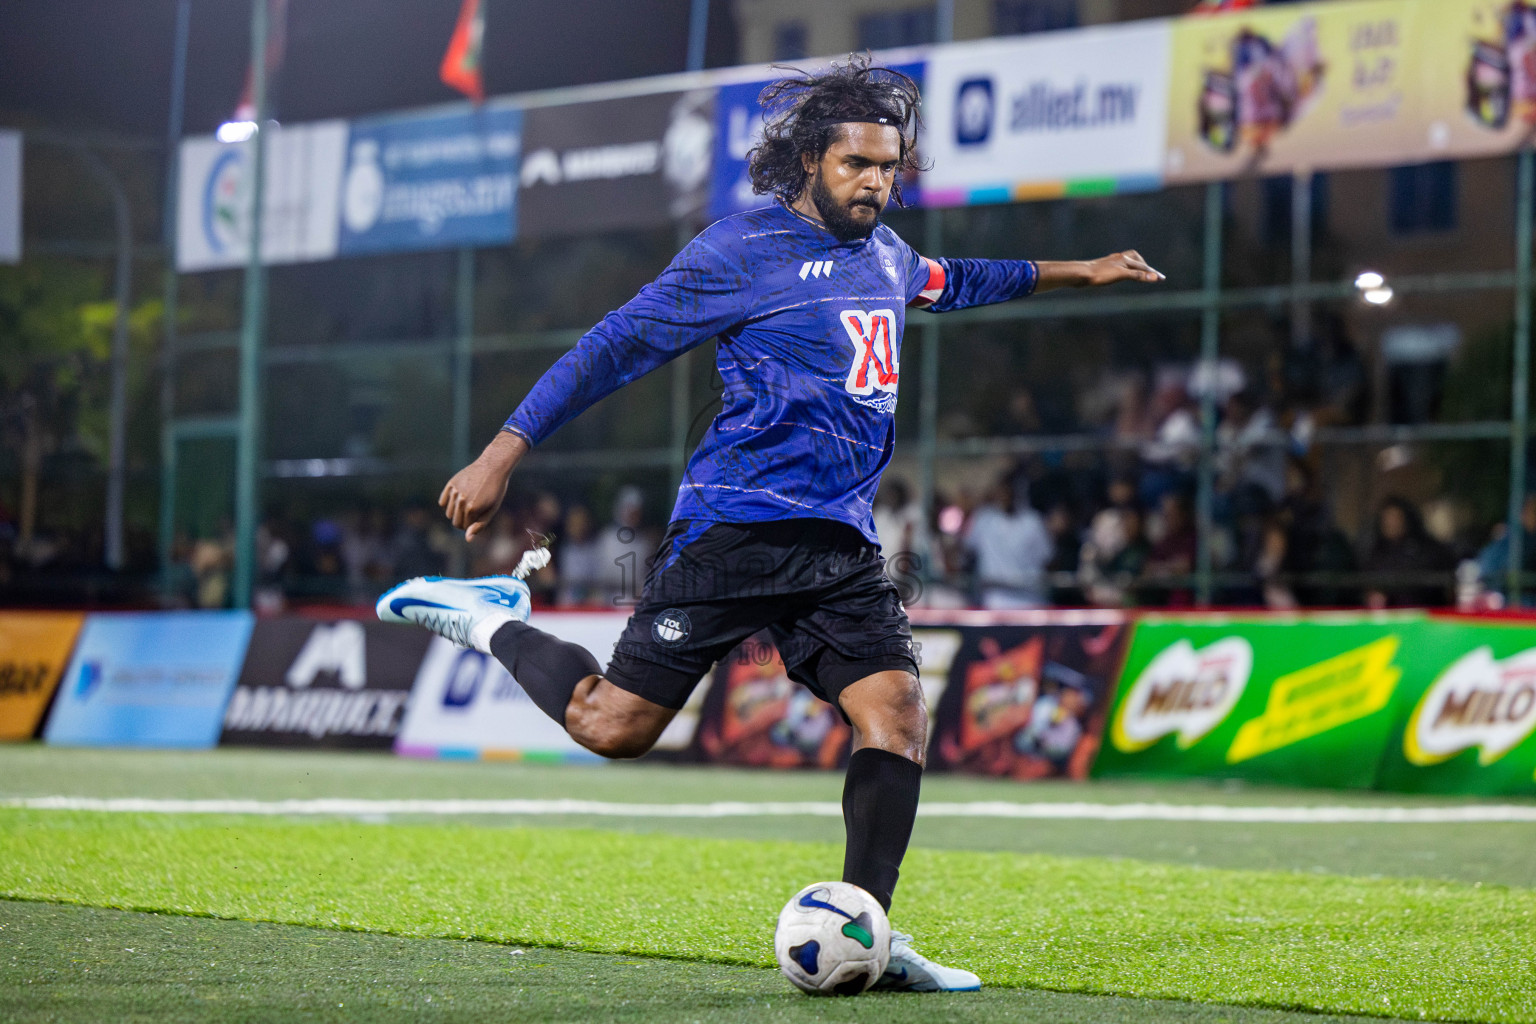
(1386,947)
(1470,852)
(86,964)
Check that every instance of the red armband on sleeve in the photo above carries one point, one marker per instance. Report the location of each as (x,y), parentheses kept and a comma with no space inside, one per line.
(934,288)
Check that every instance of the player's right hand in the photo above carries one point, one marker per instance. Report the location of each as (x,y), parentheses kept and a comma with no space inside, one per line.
(474,494)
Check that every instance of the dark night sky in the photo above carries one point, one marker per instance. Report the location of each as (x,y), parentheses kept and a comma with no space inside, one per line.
(107,63)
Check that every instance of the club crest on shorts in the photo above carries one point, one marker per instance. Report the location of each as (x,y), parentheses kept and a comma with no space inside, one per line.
(671,627)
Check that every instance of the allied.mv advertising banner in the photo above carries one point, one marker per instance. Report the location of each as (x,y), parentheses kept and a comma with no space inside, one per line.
(149,679)
(1048,115)
(1304,701)
(34,648)
(632,162)
(418,181)
(301,189)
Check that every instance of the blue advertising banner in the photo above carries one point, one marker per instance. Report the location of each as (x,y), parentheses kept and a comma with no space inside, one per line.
(431,182)
(150,679)
(738,128)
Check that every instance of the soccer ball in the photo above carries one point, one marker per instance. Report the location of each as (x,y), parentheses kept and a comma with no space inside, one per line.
(833,939)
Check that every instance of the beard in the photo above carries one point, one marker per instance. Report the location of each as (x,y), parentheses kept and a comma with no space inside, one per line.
(839,217)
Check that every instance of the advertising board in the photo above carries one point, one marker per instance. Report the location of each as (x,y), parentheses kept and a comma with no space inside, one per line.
(308,683)
(1302,86)
(431,181)
(1027,699)
(1047,115)
(464,704)
(1478,68)
(1301,701)
(34,648)
(1465,718)
(301,191)
(149,679)
(630,162)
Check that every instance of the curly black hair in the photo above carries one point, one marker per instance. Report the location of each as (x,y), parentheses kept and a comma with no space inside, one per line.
(802,115)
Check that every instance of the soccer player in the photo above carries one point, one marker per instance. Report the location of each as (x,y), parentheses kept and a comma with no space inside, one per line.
(773,524)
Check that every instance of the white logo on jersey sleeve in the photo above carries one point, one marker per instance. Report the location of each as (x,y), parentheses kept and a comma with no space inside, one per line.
(874,351)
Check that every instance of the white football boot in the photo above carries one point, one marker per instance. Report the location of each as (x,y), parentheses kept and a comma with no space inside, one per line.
(910,971)
(467,612)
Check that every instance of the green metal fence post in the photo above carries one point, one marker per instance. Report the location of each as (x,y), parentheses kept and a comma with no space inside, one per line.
(463,355)
(1210,339)
(460,364)
(1520,408)
(252,329)
(167,533)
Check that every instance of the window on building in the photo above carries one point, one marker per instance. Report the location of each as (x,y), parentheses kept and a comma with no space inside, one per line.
(1277,207)
(1423,198)
(884,30)
(1016,17)
(790,41)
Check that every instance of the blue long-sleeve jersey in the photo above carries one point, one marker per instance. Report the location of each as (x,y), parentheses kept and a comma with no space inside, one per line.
(810,349)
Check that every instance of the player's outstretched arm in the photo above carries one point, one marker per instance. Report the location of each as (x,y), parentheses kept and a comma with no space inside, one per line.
(475,493)
(1120,266)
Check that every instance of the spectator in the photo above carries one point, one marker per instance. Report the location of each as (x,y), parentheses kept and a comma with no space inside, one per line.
(211,561)
(1066,550)
(1493,559)
(901,527)
(411,550)
(1171,558)
(1113,556)
(1011,549)
(1251,454)
(272,563)
(624,550)
(1403,550)
(577,560)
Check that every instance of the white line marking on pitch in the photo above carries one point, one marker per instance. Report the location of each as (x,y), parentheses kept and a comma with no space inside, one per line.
(1078,810)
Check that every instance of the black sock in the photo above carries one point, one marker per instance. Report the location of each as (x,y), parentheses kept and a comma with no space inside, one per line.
(879,806)
(548,669)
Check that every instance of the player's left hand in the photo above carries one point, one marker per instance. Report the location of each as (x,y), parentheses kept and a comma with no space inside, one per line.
(1121,266)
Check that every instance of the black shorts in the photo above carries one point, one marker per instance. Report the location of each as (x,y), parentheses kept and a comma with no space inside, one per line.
(816,585)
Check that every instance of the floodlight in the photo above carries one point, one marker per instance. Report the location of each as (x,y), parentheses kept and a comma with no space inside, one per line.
(235,131)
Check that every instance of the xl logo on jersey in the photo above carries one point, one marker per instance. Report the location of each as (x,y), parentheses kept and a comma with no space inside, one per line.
(874,351)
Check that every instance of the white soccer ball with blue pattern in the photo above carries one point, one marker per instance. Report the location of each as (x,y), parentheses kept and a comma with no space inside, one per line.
(833,939)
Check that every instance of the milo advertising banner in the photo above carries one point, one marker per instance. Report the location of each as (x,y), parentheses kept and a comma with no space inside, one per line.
(1465,719)
(1302,701)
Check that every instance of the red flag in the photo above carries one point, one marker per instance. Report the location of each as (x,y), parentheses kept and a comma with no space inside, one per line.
(1216,6)
(461,64)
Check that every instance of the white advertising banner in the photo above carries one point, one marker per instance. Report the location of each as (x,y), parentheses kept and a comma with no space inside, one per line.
(1048,115)
(466,705)
(301,194)
(10,197)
